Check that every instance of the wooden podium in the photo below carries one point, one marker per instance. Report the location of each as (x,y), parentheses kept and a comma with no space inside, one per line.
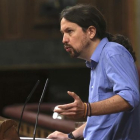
(8,129)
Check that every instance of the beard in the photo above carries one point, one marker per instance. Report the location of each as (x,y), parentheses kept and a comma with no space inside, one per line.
(75,53)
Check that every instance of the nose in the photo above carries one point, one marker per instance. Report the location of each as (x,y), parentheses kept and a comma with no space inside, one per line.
(65,39)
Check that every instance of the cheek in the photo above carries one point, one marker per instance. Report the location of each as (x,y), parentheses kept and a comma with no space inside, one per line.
(74,41)
(78,41)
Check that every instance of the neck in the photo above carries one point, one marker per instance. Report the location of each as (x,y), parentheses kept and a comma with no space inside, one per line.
(88,51)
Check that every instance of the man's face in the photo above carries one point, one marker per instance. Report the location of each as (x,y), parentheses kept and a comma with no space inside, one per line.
(74,39)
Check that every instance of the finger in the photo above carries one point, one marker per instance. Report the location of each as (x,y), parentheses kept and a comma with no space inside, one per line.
(62,112)
(69,114)
(52,135)
(72,111)
(73,95)
(56,109)
(64,107)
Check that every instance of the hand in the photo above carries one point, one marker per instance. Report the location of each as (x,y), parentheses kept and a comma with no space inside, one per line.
(73,110)
(57,135)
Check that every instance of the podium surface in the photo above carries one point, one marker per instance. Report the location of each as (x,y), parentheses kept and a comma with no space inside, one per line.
(29,138)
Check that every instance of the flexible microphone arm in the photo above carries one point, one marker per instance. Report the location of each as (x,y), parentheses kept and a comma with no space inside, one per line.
(28,98)
(41,98)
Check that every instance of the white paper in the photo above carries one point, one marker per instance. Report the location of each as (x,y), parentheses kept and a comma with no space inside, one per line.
(29,138)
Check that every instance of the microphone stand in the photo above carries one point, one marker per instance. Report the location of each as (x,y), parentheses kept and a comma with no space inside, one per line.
(41,98)
(28,98)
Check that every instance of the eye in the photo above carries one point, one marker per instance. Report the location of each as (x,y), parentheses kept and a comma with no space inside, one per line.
(69,31)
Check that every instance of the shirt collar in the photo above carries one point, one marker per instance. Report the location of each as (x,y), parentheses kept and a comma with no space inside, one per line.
(96,54)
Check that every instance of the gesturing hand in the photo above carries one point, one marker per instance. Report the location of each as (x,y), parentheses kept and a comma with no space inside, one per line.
(72,110)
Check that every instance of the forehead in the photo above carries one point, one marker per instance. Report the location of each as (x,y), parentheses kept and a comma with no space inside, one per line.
(64,24)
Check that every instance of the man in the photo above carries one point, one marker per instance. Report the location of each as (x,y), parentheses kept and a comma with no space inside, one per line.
(113,109)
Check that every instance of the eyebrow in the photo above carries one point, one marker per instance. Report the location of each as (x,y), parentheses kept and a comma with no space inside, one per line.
(66,29)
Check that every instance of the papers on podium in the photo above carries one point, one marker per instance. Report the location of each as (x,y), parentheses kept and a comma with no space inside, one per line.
(29,138)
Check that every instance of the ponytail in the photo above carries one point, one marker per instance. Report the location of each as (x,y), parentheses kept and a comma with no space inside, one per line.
(123,41)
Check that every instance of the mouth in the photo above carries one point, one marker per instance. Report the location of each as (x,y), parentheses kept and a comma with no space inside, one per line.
(67,48)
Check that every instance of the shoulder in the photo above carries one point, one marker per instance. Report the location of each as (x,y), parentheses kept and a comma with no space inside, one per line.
(112,49)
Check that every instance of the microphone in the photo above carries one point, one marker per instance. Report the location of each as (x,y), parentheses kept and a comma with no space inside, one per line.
(28,98)
(41,98)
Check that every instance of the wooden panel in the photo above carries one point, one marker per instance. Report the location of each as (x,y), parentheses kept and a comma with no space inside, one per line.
(11,14)
(38,26)
(131,23)
(119,16)
(23,19)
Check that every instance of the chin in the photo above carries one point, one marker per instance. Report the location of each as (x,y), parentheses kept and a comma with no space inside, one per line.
(74,55)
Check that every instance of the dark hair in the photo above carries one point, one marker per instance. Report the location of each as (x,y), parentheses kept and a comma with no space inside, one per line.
(85,16)
(88,15)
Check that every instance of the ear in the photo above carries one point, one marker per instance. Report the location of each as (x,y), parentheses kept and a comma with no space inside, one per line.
(91,31)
